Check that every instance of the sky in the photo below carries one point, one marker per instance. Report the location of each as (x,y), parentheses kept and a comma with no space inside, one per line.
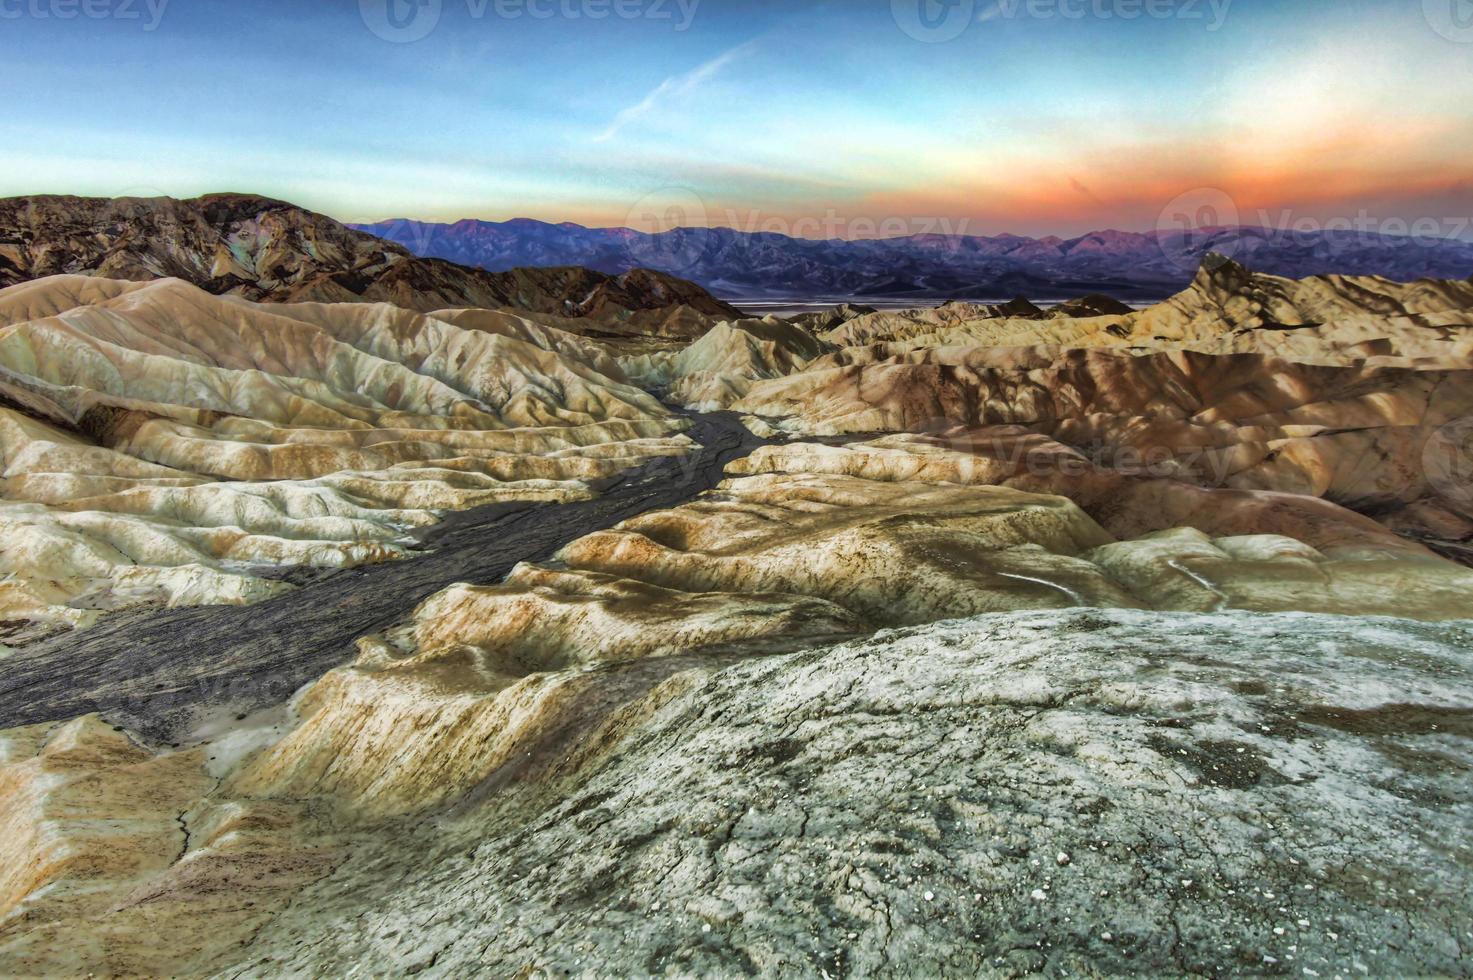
(822,119)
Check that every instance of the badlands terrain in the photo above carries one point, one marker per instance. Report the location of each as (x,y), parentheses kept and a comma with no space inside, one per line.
(353,626)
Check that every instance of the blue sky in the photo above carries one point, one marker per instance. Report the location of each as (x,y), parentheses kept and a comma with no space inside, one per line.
(758,114)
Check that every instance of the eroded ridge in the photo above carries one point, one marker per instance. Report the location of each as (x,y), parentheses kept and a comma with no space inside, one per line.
(160,444)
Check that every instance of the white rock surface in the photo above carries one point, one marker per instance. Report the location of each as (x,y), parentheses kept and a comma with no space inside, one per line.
(1237,794)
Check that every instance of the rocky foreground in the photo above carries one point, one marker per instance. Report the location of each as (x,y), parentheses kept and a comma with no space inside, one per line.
(1067,792)
(1076,791)
(1079,641)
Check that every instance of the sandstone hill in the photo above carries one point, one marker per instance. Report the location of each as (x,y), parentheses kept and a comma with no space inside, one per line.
(1226,309)
(270,251)
(1349,389)
(158,441)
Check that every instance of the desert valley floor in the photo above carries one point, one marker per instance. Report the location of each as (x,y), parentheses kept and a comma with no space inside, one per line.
(370,614)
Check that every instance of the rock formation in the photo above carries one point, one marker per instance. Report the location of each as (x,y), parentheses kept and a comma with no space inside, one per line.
(158,442)
(720,368)
(769,563)
(271,251)
(1226,310)
(1091,305)
(1334,387)
(1090,792)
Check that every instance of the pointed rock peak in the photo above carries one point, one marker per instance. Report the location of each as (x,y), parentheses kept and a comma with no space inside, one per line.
(1216,261)
(1095,304)
(1020,306)
(1222,272)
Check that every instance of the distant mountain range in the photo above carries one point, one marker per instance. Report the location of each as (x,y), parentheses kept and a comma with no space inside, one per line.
(271,251)
(745,265)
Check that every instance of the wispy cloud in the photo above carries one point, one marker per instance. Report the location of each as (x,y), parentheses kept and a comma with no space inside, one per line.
(672,88)
(991,13)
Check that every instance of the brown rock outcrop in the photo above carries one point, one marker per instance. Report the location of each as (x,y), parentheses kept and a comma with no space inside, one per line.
(271,251)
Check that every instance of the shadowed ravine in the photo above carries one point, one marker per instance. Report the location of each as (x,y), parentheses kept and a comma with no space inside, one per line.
(159,672)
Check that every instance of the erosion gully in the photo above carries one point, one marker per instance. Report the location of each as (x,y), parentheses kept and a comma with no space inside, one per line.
(159,672)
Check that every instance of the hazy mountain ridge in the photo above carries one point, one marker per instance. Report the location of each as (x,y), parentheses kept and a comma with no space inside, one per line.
(734,263)
(266,250)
